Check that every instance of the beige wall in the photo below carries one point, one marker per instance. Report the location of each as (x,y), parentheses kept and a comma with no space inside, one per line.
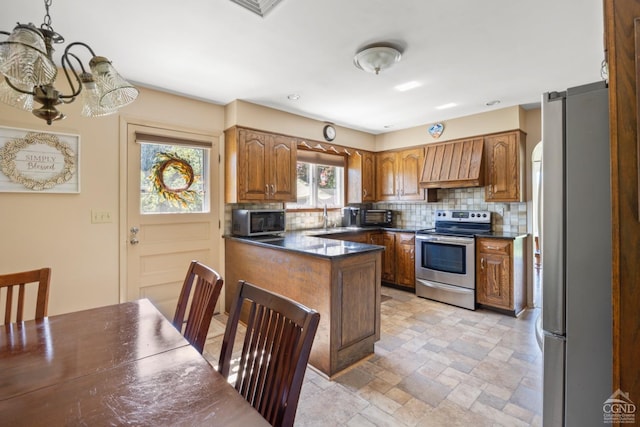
(504,119)
(533,128)
(257,117)
(55,229)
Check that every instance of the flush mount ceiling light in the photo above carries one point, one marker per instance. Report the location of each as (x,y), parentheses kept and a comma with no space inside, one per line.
(376,58)
(260,7)
(28,74)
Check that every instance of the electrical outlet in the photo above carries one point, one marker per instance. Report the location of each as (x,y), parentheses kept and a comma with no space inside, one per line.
(500,211)
(100,217)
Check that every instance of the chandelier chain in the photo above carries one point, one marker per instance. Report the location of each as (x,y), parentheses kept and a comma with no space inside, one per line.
(47,17)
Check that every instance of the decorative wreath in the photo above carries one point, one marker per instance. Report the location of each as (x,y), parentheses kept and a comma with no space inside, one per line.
(177,196)
(8,161)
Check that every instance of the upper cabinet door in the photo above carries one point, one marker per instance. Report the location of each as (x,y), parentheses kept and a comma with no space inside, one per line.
(410,162)
(368,177)
(252,165)
(398,175)
(361,177)
(386,176)
(259,167)
(282,169)
(504,154)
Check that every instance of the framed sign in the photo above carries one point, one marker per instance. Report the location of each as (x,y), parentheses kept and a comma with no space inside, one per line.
(39,162)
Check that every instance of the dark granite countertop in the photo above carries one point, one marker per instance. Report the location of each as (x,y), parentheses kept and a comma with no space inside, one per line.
(300,241)
(345,230)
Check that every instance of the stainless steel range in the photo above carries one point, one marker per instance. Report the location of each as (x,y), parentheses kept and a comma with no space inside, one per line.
(445,257)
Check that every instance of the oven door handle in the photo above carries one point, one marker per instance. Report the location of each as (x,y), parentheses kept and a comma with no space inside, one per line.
(447,239)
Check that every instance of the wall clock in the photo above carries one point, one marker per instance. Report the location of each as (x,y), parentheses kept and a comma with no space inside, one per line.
(329,132)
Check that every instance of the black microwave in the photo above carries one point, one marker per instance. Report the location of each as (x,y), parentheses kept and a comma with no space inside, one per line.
(254,222)
(376,217)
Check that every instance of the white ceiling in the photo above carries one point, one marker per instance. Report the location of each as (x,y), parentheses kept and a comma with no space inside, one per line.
(466,52)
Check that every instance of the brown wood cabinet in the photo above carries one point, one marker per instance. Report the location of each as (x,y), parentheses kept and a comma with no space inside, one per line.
(504,167)
(389,257)
(369,237)
(500,274)
(361,178)
(376,238)
(622,33)
(345,290)
(398,175)
(398,259)
(406,260)
(260,166)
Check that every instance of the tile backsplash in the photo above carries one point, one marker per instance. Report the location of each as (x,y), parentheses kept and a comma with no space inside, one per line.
(506,217)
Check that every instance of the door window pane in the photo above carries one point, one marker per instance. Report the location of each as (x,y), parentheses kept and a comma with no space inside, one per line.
(173,179)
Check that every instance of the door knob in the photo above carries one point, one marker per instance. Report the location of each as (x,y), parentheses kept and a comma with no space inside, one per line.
(133,236)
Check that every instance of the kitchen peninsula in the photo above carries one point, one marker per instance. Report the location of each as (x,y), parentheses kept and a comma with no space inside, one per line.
(339,279)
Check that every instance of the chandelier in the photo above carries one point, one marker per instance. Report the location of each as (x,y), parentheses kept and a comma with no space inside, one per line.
(28,74)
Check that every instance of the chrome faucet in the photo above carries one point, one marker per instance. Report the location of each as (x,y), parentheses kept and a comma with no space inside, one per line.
(325,218)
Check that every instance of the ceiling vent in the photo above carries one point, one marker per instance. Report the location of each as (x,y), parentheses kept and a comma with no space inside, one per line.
(260,7)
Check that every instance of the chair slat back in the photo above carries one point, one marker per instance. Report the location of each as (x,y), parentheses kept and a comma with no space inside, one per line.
(197,301)
(275,351)
(20,280)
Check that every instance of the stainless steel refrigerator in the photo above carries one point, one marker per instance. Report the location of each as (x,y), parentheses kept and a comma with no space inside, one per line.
(576,256)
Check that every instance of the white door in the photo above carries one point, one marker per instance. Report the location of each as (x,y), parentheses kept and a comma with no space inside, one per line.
(171,211)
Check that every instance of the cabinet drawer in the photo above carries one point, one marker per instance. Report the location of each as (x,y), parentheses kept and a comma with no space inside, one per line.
(494,246)
(406,238)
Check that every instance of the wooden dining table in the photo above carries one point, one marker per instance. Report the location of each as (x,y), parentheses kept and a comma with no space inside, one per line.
(122,364)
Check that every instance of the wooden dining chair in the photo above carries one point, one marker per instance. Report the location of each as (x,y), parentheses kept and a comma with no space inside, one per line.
(200,292)
(20,280)
(275,351)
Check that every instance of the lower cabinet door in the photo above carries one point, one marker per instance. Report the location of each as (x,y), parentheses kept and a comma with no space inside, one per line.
(493,280)
(388,257)
(406,260)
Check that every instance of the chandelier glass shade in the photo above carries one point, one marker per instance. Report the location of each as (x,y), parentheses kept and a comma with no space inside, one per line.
(9,96)
(28,73)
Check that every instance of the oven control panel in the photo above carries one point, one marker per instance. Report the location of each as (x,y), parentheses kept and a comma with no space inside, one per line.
(463,216)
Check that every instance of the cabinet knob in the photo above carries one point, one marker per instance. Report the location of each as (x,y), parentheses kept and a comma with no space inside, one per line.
(482,263)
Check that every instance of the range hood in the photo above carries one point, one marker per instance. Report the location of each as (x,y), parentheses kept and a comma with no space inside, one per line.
(454,164)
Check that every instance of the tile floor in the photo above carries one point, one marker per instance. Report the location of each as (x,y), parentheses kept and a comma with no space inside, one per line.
(435,365)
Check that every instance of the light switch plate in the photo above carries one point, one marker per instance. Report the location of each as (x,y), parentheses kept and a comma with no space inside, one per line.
(100,217)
